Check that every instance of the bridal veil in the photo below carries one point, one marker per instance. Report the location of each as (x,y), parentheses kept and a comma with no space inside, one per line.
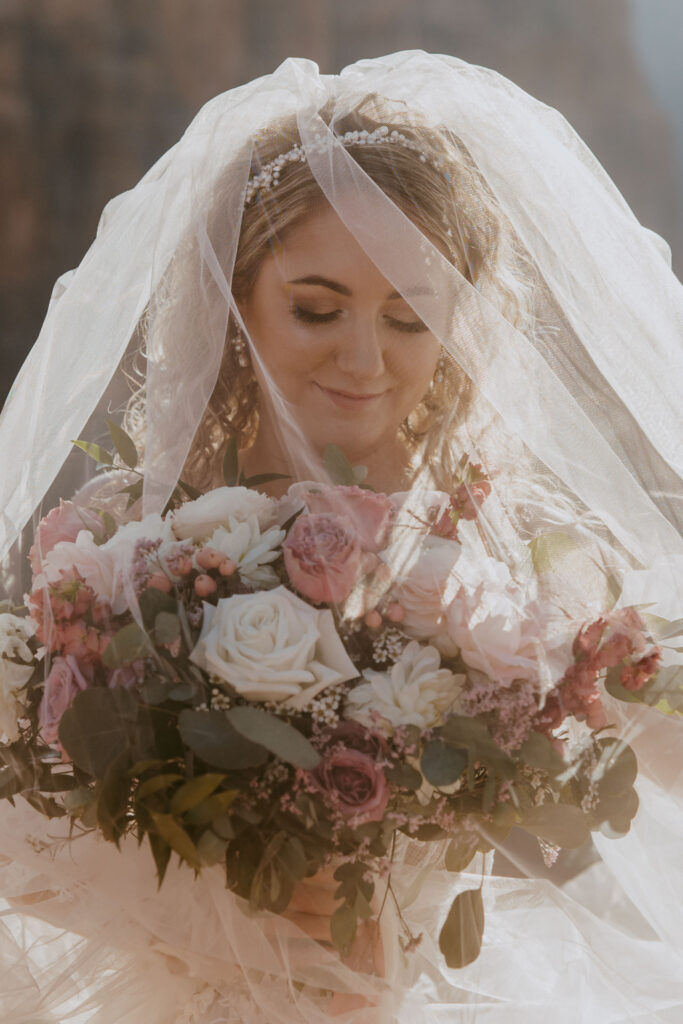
(561,344)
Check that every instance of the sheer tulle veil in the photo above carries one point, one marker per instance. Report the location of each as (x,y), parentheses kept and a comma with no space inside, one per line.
(559,322)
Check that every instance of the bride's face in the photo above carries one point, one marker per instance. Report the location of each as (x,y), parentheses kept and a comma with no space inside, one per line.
(333,337)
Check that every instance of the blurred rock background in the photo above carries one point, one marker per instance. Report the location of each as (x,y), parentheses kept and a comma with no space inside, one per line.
(93,91)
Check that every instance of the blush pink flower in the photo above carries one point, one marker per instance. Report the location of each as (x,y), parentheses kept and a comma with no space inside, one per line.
(62,523)
(635,676)
(369,513)
(355,784)
(323,557)
(61,686)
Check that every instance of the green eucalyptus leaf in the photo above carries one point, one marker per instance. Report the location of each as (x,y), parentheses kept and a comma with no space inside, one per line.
(153,602)
(337,466)
(231,464)
(441,763)
(343,925)
(177,838)
(663,629)
(156,784)
(222,824)
(212,811)
(99,454)
(190,491)
(181,692)
(264,478)
(615,814)
(123,443)
(293,858)
(76,800)
(194,791)
(161,851)
(155,690)
(128,644)
(460,852)
(616,769)
(275,735)
(99,726)
(462,932)
(112,798)
(166,628)
(211,848)
(404,776)
(560,824)
(538,752)
(212,738)
(550,548)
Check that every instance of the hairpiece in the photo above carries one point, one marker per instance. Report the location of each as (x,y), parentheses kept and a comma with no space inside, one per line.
(269,175)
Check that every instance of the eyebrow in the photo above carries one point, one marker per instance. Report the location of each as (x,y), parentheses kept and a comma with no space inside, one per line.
(341,289)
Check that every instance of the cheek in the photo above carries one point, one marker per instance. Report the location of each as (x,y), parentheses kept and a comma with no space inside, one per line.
(415,367)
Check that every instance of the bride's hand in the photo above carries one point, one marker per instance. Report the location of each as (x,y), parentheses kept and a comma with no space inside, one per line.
(311,908)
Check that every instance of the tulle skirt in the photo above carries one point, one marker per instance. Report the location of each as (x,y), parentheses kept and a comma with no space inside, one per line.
(86,938)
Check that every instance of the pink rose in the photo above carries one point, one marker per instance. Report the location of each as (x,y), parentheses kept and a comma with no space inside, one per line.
(62,523)
(61,686)
(368,512)
(323,557)
(354,782)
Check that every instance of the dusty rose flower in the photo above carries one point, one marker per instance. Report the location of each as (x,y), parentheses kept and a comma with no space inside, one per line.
(369,513)
(611,639)
(355,736)
(323,557)
(354,782)
(62,523)
(463,504)
(61,686)
(635,676)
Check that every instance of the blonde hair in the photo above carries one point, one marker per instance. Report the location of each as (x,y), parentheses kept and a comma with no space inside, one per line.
(439,187)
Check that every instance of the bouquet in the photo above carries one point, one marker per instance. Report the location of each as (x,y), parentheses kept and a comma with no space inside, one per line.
(279,686)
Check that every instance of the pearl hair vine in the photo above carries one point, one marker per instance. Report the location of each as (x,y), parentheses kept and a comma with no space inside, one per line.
(269,175)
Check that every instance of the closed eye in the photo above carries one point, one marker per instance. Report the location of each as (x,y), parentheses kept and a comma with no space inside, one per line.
(407,326)
(310,317)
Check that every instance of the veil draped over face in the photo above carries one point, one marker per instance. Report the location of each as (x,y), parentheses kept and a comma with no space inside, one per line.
(558,322)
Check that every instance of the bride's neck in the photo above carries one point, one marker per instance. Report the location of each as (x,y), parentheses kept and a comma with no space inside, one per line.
(388,467)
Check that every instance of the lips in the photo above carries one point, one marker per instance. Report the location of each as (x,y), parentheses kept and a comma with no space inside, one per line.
(350,398)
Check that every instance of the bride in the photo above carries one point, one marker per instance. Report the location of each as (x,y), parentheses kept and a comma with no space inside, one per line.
(418,267)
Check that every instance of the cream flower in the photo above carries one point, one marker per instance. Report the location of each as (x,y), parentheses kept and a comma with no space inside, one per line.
(249,549)
(198,519)
(414,691)
(425,585)
(14,633)
(495,620)
(271,645)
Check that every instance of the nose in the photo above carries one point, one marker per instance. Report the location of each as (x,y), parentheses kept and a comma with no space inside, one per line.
(360,354)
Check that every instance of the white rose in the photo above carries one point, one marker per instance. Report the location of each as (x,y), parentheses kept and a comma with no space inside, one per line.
(14,632)
(425,585)
(414,691)
(272,646)
(250,549)
(198,519)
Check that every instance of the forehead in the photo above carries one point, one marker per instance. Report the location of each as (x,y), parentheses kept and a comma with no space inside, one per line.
(322,244)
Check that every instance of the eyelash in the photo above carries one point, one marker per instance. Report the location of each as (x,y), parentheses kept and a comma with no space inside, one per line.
(309,317)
